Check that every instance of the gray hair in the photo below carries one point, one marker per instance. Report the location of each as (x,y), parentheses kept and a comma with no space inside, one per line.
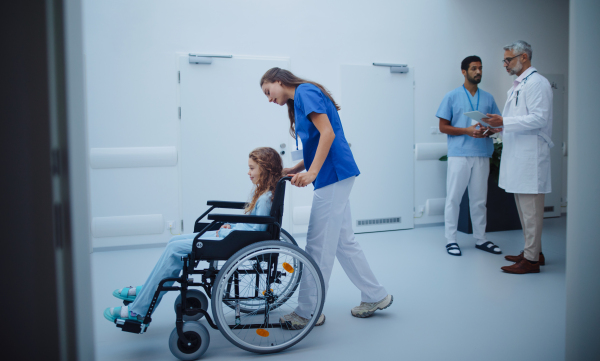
(520,47)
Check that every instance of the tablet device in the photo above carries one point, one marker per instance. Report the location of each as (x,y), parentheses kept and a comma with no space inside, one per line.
(476,115)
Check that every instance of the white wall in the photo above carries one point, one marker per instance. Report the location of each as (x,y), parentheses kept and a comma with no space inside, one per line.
(131,69)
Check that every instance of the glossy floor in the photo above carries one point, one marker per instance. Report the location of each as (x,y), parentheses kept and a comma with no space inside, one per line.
(445,307)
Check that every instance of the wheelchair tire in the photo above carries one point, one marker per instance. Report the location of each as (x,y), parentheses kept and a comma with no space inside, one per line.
(257,332)
(199,336)
(194,299)
(248,307)
(284,236)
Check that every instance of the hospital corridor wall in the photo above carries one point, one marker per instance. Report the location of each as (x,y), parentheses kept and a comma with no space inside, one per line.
(134,94)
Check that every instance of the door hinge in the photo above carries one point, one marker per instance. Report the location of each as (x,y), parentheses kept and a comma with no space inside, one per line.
(179,112)
(182,226)
(179,77)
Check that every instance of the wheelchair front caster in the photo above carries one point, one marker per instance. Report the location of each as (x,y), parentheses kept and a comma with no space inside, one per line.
(194,299)
(198,338)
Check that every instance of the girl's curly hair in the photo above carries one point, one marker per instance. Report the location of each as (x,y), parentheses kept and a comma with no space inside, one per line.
(271,170)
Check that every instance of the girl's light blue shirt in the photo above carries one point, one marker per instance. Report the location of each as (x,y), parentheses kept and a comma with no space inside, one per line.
(339,163)
(261,208)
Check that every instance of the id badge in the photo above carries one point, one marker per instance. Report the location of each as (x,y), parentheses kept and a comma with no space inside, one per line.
(297,155)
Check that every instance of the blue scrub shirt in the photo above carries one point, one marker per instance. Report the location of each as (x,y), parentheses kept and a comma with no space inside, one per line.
(339,163)
(453,107)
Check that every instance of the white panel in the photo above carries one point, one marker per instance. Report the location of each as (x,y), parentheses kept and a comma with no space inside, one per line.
(435,206)
(430,151)
(133,157)
(556,155)
(127,225)
(224,116)
(377,115)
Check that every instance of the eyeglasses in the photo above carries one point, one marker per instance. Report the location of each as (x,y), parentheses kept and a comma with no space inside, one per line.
(508,60)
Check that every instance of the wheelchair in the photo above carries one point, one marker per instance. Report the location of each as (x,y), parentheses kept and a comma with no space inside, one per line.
(253,278)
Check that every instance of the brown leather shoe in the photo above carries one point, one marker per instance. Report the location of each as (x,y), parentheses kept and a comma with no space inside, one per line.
(517,259)
(522,267)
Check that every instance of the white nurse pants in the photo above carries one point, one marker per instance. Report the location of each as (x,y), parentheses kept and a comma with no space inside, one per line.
(329,235)
(466,173)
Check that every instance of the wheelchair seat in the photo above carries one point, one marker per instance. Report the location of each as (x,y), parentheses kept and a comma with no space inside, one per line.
(213,250)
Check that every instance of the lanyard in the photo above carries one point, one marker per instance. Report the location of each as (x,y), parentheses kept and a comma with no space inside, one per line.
(296,131)
(523,81)
(469,98)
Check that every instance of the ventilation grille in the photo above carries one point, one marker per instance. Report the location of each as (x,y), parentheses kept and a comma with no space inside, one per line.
(549,209)
(372,222)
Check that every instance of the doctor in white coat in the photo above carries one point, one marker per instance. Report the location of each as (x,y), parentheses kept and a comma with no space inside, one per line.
(525,164)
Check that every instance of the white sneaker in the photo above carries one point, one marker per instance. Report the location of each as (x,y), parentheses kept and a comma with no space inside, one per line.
(367,309)
(296,322)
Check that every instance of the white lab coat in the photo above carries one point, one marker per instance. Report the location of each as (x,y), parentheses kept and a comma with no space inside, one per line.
(525,162)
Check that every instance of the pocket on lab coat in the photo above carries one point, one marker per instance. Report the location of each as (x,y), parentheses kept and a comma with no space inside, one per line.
(526,146)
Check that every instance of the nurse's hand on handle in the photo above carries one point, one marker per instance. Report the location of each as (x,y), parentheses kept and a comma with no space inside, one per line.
(299,167)
(303,179)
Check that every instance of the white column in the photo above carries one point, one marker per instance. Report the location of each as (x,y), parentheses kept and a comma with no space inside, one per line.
(583,226)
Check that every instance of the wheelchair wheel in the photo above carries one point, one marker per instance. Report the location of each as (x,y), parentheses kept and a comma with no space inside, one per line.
(288,287)
(265,332)
(284,236)
(199,341)
(194,299)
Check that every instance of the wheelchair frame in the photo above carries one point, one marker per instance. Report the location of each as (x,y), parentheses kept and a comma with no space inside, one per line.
(207,250)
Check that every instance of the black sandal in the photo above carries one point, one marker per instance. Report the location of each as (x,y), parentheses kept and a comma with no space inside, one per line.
(451,247)
(484,247)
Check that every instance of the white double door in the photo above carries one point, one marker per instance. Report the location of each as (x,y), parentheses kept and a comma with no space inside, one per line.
(378,117)
(224,116)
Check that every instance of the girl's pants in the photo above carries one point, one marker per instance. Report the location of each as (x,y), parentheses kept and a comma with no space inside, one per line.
(463,173)
(329,235)
(169,265)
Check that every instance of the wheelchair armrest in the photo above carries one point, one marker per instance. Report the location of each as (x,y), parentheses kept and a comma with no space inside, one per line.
(226,204)
(241,218)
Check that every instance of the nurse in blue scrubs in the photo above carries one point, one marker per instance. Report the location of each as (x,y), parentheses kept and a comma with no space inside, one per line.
(331,168)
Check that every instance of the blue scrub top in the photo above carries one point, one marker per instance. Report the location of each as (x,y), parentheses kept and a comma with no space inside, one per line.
(339,163)
(453,107)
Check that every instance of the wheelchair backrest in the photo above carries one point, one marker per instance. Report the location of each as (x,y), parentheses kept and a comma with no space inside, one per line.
(277,205)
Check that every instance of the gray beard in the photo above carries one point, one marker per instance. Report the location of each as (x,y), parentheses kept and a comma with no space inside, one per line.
(516,69)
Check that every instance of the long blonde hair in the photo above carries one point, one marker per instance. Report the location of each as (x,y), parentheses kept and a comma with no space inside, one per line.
(290,80)
(271,170)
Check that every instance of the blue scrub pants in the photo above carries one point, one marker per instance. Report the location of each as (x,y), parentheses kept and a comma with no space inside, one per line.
(169,265)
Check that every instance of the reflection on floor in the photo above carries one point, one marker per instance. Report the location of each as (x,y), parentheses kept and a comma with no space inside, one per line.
(445,307)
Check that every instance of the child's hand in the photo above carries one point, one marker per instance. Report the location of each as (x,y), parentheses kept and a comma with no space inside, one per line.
(287,171)
(226,226)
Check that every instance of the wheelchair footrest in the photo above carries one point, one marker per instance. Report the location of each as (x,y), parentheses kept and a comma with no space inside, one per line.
(131,326)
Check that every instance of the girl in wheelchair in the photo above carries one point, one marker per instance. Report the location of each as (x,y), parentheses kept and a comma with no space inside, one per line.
(265,169)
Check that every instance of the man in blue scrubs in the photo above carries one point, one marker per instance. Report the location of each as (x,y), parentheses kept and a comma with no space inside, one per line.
(469,150)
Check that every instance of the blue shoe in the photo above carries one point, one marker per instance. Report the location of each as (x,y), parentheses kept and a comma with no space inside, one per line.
(454,248)
(123,293)
(120,313)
